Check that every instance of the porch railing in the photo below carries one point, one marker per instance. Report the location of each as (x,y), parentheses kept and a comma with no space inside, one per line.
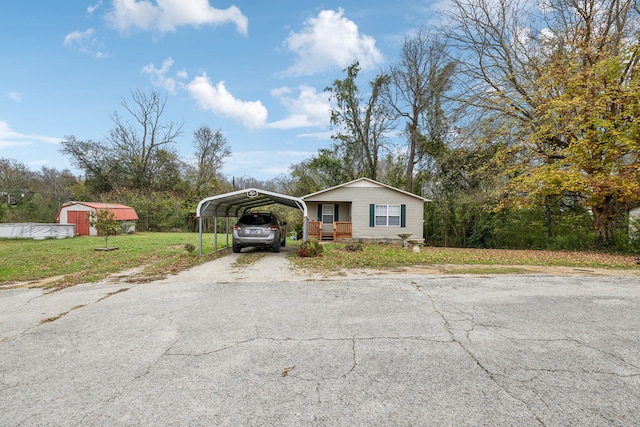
(315,230)
(341,230)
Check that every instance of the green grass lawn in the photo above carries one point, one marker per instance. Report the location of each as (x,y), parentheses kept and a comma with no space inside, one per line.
(78,260)
(386,256)
(68,262)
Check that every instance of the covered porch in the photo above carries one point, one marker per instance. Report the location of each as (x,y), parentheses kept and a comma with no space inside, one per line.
(332,221)
(335,231)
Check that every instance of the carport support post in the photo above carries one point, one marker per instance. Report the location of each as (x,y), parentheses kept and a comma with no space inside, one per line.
(227,235)
(215,234)
(305,229)
(200,232)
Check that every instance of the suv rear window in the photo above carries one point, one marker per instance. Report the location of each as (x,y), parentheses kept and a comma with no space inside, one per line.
(256,219)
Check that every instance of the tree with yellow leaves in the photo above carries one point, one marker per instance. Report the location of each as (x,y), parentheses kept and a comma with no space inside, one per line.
(561,78)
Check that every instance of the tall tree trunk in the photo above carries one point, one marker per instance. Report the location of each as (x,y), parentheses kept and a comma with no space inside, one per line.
(603,222)
(411,156)
(548,216)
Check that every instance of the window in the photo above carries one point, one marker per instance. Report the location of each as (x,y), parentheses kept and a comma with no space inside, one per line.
(387,215)
(327,214)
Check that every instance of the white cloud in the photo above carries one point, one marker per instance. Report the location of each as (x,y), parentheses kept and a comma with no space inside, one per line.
(220,101)
(310,108)
(86,42)
(94,7)
(325,135)
(166,15)
(14,96)
(159,75)
(328,41)
(11,138)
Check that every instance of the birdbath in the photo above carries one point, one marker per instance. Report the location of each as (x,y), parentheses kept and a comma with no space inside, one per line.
(404,237)
(416,244)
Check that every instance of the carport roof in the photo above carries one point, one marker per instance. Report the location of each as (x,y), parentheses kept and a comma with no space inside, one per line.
(236,203)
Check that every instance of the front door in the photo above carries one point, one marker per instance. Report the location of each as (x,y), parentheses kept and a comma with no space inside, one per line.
(328,216)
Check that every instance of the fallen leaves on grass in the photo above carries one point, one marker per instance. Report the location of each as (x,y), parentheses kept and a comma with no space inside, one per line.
(390,256)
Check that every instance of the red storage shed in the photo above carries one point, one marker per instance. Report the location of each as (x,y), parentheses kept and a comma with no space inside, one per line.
(78,213)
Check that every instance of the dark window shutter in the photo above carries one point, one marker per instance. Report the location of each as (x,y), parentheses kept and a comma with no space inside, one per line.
(403,215)
(335,212)
(319,211)
(372,215)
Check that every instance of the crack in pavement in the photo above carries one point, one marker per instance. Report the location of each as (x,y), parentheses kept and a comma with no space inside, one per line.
(622,361)
(117,394)
(580,371)
(474,359)
(607,353)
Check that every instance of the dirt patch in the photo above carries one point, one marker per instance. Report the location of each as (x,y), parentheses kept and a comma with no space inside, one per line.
(41,283)
(132,275)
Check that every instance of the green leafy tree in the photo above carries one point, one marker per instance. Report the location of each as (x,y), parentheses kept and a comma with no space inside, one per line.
(560,80)
(104,221)
(596,118)
(94,159)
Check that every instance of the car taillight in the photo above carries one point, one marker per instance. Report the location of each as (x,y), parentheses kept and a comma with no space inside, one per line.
(273,227)
(235,227)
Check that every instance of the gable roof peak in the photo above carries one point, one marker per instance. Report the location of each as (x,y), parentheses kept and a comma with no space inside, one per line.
(367,182)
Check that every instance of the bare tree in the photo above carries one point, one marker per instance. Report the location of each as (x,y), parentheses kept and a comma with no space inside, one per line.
(55,185)
(211,148)
(418,86)
(362,125)
(14,178)
(136,145)
(136,154)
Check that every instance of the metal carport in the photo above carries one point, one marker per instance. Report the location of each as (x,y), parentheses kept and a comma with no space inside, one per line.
(236,203)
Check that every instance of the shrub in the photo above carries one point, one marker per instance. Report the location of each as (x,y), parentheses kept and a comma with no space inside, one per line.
(353,247)
(312,248)
(105,222)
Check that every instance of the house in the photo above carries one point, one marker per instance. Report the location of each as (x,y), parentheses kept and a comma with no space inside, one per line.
(364,210)
(79,213)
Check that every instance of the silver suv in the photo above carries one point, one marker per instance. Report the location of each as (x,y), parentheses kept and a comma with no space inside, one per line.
(261,229)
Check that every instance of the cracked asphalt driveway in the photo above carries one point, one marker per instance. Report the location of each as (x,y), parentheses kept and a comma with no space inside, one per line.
(362,349)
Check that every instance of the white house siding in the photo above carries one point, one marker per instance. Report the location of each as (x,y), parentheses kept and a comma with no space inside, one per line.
(360,195)
(362,200)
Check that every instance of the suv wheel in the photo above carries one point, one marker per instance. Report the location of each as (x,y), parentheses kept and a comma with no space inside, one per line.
(236,248)
(276,247)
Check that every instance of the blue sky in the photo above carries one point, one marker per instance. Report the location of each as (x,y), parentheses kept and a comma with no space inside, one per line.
(254,69)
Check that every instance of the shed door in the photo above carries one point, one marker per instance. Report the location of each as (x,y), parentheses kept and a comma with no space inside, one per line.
(81,220)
